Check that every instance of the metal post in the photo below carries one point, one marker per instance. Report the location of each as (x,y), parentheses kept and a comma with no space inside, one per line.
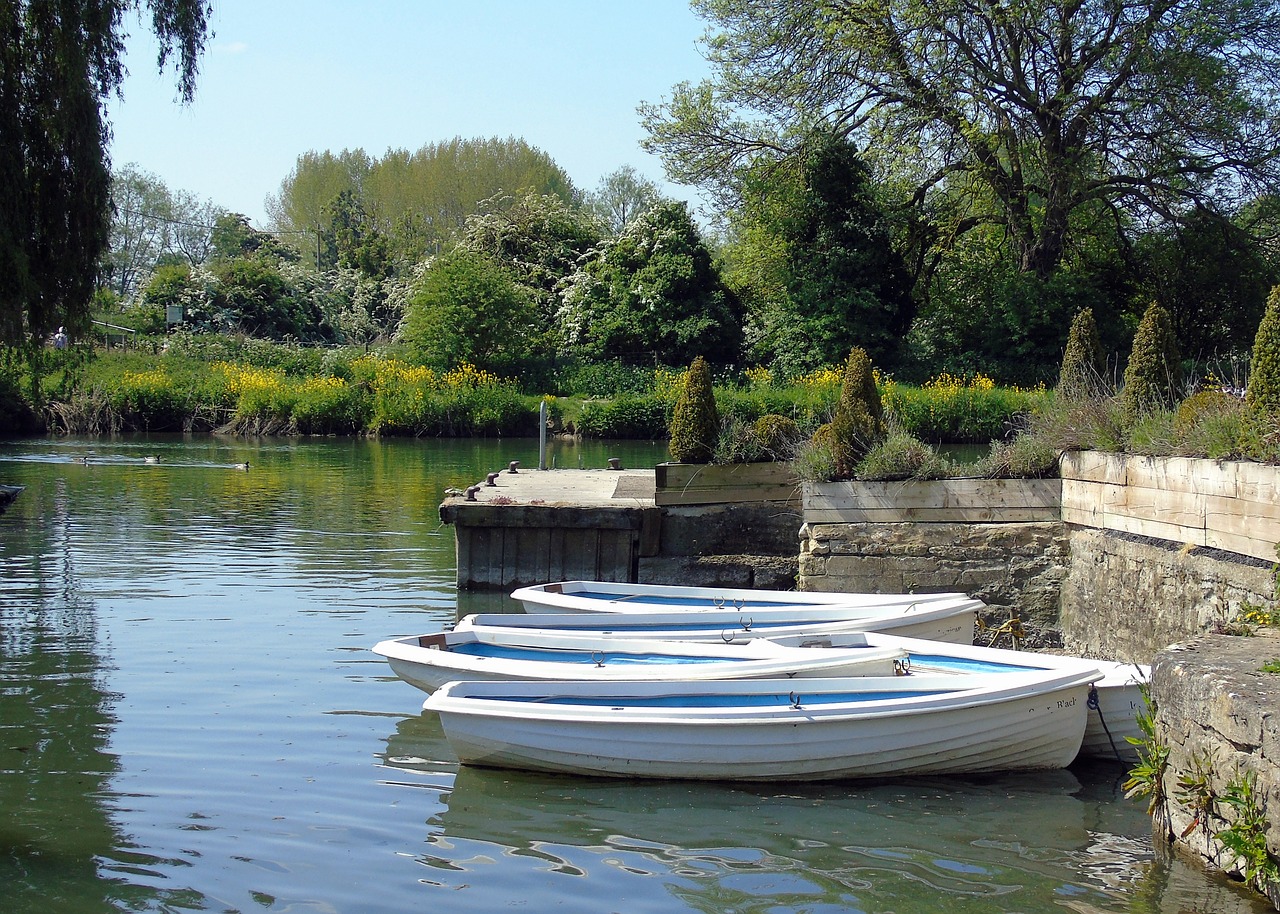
(542,435)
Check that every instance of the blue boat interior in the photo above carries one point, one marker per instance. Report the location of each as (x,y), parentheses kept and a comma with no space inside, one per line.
(702,602)
(725,700)
(593,658)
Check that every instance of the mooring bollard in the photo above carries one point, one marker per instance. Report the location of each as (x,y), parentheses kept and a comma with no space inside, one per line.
(492,479)
(471,492)
(511,467)
(615,463)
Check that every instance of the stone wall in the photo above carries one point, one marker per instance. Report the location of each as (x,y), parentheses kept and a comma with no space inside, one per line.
(1010,566)
(1125,597)
(1217,716)
(728,545)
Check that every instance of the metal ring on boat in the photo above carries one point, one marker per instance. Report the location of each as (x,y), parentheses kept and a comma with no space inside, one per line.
(902,666)
(746,624)
(795,700)
(718,602)
(727,635)
(597,657)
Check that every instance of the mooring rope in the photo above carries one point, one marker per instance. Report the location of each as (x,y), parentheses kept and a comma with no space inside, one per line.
(1095,705)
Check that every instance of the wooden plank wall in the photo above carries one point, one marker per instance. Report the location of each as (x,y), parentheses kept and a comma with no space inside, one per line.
(731,483)
(933,501)
(1223,505)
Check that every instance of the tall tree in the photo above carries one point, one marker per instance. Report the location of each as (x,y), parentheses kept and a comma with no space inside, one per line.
(1213,278)
(539,238)
(418,200)
(469,308)
(653,295)
(1034,109)
(141,213)
(847,285)
(59,61)
(622,195)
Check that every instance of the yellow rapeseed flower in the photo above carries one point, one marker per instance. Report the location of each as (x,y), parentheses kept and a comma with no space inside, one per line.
(154,377)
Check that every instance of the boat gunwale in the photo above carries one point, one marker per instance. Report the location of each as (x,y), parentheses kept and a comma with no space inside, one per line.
(990,689)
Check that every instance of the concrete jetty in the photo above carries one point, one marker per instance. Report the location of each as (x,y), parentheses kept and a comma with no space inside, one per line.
(535,526)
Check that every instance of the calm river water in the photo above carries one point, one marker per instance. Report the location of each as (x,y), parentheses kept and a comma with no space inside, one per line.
(191,719)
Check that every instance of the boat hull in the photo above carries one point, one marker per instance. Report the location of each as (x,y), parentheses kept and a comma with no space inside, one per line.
(611,597)
(950,620)
(1113,709)
(1036,723)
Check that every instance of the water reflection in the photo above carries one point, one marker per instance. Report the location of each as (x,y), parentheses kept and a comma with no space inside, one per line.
(1033,842)
(59,846)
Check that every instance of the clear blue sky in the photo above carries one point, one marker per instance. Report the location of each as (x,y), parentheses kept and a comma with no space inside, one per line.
(283,77)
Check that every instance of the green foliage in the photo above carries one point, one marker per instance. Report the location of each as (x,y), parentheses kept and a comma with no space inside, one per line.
(1153,375)
(1263,392)
(626,416)
(695,424)
(1082,369)
(779,436)
(950,409)
(254,296)
(900,455)
(1146,778)
(983,315)
(1271,666)
(539,238)
(418,201)
(738,443)
(622,196)
(468,308)
(653,296)
(981,119)
(1023,457)
(1195,793)
(858,423)
(59,64)
(1212,275)
(841,281)
(598,380)
(352,239)
(1246,836)
(815,459)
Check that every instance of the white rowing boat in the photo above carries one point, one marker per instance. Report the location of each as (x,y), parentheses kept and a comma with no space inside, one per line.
(611,597)
(1116,700)
(950,619)
(429,661)
(771,730)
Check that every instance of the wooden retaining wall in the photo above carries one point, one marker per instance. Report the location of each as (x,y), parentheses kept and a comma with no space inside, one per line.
(725,484)
(1218,504)
(938,501)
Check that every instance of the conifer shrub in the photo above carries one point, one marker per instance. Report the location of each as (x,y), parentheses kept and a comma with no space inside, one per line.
(1153,376)
(1263,391)
(779,435)
(858,423)
(1082,369)
(695,424)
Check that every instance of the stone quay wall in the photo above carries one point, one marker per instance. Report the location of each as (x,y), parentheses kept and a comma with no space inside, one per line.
(1135,559)
(1217,719)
